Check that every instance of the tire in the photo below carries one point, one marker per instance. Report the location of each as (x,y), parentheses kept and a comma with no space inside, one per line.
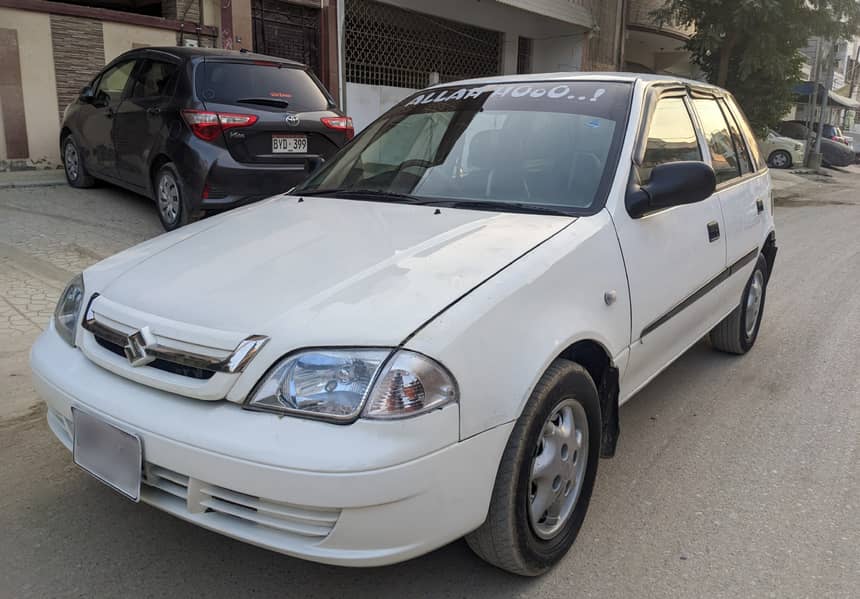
(170,198)
(736,334)
(73,164)
(779,159)
(511,538)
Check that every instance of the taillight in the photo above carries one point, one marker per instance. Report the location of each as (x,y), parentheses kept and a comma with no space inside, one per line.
(208,125)
(340,123)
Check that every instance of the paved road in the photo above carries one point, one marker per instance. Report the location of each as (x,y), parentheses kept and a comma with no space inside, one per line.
(735,477)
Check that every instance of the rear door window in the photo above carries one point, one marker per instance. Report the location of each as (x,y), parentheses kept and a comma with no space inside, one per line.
(744,159)
(724,156)
(154,79)
(749,136)
(259,83)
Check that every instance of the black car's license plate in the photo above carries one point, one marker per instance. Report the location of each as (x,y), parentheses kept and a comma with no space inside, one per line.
(289,144)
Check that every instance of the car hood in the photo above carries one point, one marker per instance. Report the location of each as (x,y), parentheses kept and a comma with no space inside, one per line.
(325,271)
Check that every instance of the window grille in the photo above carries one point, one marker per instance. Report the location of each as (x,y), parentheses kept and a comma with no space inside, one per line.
(387,45)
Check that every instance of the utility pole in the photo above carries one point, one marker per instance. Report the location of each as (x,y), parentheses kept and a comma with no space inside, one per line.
(813,159)
(831,54)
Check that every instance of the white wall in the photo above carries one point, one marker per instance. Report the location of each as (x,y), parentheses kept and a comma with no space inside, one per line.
(558,54)
(366,102)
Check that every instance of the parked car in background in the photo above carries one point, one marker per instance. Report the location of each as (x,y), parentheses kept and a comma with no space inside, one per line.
(431,337)
(781,152)
(831,132)
(200,130)
(833,153)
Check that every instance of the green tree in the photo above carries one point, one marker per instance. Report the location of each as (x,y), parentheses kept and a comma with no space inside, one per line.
(752,47)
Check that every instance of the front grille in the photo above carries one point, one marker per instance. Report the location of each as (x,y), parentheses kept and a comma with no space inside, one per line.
(247,510)
(180,369)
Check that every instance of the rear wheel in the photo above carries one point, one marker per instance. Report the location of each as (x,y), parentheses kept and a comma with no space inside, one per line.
(780,159)
(546,475)
(737,333)
(73,163)
(173,208)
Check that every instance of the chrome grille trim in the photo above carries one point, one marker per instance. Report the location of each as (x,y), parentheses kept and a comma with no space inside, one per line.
(234,363)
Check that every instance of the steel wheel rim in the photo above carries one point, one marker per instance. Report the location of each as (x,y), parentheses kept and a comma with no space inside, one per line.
(70,158)
(754,302)
(558,469)
(779,160)
(168,198)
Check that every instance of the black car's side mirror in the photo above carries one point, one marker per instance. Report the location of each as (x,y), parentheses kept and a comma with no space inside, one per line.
(671,184)
(87,94)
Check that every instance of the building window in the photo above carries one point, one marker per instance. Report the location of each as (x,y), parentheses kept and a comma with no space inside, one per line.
(387,45)
(524,55)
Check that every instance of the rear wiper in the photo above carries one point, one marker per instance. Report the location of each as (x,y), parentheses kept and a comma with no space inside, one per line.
(369,194)
(499,206)
(264,102)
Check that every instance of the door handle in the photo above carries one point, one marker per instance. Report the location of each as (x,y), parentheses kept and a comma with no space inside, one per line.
(153,110)
(759,205)
(713,231)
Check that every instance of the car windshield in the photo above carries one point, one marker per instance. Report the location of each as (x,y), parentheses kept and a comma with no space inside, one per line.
(259,82)
(534,145)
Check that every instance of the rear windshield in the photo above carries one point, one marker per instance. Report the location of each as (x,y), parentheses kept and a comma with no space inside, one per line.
(230,82)
(542,144)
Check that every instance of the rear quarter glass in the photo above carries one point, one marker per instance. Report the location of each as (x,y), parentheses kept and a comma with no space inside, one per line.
(224,82)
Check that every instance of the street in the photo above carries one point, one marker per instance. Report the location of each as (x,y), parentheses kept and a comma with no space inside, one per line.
(734,476)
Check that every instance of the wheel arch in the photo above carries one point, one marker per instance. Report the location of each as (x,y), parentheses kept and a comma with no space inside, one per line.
(768,250)
(157,162)
(594,357)
(65,131)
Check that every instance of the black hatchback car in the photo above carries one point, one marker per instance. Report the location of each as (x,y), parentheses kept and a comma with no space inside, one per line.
(199,129)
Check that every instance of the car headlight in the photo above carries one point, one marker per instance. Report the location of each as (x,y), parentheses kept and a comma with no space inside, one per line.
(798,147)
(68,309)
(341,384)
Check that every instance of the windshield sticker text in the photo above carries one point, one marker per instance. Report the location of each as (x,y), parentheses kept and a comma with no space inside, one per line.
(558,92)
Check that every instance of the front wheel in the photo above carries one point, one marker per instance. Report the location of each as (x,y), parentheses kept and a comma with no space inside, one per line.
(738,331)
(780,159)
(544,481)
(73,164)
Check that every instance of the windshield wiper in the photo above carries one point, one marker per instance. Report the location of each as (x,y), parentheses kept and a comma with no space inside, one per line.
(499,206)
(362,194)
(264,102)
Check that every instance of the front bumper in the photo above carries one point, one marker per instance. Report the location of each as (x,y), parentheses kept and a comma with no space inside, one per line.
(365,516)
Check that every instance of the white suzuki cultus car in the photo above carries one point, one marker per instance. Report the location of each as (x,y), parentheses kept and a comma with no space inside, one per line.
(431,337)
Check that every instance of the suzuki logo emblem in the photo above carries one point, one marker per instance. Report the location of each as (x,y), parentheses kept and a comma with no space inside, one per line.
(135,347)
(292,120)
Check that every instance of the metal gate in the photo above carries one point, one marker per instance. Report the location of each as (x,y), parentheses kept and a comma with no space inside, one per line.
(389,45)
(287,30)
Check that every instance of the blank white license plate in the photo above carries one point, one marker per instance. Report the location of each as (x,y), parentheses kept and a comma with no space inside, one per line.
(110,454)
(289,144)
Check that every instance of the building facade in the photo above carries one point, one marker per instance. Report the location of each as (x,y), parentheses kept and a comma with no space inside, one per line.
(368,53)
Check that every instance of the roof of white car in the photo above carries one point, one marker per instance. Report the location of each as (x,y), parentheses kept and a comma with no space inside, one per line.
(580,76)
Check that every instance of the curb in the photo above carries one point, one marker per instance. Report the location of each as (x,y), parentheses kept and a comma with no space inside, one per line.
(24,184)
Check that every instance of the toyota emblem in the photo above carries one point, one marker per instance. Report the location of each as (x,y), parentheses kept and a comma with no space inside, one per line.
(292,120)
